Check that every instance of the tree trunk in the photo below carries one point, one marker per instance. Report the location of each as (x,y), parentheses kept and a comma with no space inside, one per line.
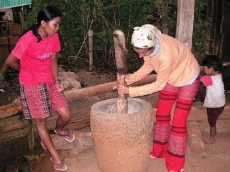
(185,18)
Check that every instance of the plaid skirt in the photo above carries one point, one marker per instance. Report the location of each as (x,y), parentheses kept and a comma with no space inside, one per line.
(39,101)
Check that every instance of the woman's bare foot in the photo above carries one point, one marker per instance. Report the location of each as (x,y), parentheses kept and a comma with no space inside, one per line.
(210,142)
(152,157)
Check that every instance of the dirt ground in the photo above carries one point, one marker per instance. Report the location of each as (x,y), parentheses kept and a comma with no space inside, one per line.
(80,156)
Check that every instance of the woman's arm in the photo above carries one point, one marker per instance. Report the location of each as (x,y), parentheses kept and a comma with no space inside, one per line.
(55,72)
(226,64)
(141,73)
(55,67)
(13,62)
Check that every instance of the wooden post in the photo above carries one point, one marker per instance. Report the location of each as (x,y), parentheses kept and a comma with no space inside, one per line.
(31,135)
(3,71)
(90,35)
(185,18)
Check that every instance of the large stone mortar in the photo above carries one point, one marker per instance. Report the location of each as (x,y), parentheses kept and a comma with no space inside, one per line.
(122,141)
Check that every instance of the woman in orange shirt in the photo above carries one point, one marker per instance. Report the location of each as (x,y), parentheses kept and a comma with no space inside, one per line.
(177,80)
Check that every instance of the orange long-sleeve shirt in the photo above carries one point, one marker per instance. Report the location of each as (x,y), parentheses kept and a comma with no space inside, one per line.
(174,64)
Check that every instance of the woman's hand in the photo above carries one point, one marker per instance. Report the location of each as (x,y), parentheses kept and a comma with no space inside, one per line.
(122,89)
(126,76)
(122,86)
(59,86)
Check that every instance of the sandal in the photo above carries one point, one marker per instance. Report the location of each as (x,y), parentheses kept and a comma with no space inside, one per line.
(67,136)
(59,166)
(43,146)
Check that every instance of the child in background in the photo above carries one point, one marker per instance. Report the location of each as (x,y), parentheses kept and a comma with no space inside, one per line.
(212,95)
(41,92)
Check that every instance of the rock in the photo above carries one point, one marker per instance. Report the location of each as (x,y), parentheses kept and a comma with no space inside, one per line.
(66,84)
(82,139)
(70,83)
(195,140)
(74,84)
(71,75)
(63,75)
(69,80)
(61,69)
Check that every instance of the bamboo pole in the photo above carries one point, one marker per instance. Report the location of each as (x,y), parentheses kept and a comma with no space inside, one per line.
(90,35)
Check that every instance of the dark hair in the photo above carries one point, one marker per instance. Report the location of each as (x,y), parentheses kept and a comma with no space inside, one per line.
(47,14)
(212,61)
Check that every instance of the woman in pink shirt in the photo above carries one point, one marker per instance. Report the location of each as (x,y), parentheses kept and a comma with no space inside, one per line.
(177,81)
(41,92)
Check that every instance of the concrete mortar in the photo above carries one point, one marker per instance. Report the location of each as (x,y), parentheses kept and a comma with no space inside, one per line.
(122,141)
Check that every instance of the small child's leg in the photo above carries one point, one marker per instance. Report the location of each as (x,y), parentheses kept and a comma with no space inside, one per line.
(213,115)
(212,139)
(212,134)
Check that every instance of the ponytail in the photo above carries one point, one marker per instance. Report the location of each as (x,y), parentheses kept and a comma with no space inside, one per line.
(47,14)
(34,29)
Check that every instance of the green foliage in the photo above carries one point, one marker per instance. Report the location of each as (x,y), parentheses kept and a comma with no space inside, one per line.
(200,32)
(31,16)
(103,17)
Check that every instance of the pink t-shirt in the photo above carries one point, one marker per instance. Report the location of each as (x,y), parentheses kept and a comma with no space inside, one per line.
(36,58)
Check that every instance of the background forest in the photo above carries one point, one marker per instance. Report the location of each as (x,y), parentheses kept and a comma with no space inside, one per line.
(103,17)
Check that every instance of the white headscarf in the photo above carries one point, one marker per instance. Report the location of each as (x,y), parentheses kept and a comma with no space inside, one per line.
(145,36)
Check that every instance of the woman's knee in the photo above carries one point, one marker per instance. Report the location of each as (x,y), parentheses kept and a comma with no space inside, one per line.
(64,113)
(40,122)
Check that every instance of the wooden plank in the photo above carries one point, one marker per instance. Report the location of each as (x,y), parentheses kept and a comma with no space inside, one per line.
(10,109)
(12,123)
